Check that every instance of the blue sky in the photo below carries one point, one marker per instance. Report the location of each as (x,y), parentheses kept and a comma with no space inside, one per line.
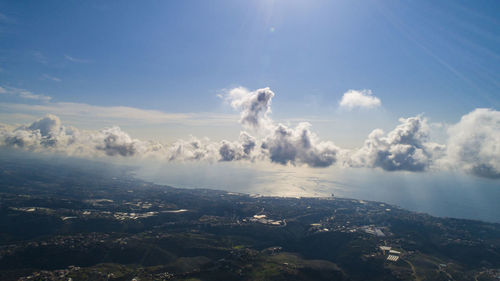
(200,88)
(417,56)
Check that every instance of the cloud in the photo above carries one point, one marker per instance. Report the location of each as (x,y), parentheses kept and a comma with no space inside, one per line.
(117,142)
(77,60)
(474,143)
(40,57)
(242,149)
(48,134)
(20,138)
(283,145)
(44,132)
(193,150)
(49,77)
(279,143)
(123,114)
(48,126)
(359,99)
(254,106)
(22,93)
(404,148)
(299,146)
(107,142)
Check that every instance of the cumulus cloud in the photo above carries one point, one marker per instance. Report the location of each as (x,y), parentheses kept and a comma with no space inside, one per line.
(49,126)
(242,149)
(279,143)
(117,142)
(193,150)
(404,148)
(44,132)
(359,99)
(474,143)
(299,146)
(254,106)
(21,138)
(48,134)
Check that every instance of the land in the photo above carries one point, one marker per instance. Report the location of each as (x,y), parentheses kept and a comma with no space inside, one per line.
(83,220)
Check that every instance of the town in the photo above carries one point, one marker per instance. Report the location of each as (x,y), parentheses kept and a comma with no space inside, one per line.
(104,224)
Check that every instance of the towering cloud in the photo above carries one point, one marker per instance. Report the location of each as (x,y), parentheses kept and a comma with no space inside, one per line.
(279,143)
(404,148)
(49,126)
(474,143)
(363,98)
(254,106)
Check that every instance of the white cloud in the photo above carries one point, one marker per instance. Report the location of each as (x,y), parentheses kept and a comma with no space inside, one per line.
(299,146)
(474,143)
(49,77)
(279,143)
(359,99)
(238,150)
(24,94)
(122,114)
(193,150)
(77,60)
(254,106)
(47,134)
(404,148)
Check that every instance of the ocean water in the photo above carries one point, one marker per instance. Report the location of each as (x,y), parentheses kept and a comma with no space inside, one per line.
(444,194)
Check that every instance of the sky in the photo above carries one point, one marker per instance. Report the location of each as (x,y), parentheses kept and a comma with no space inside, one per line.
(396,88)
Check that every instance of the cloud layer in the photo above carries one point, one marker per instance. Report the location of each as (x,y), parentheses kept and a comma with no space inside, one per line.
(472,146)
(24,94)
